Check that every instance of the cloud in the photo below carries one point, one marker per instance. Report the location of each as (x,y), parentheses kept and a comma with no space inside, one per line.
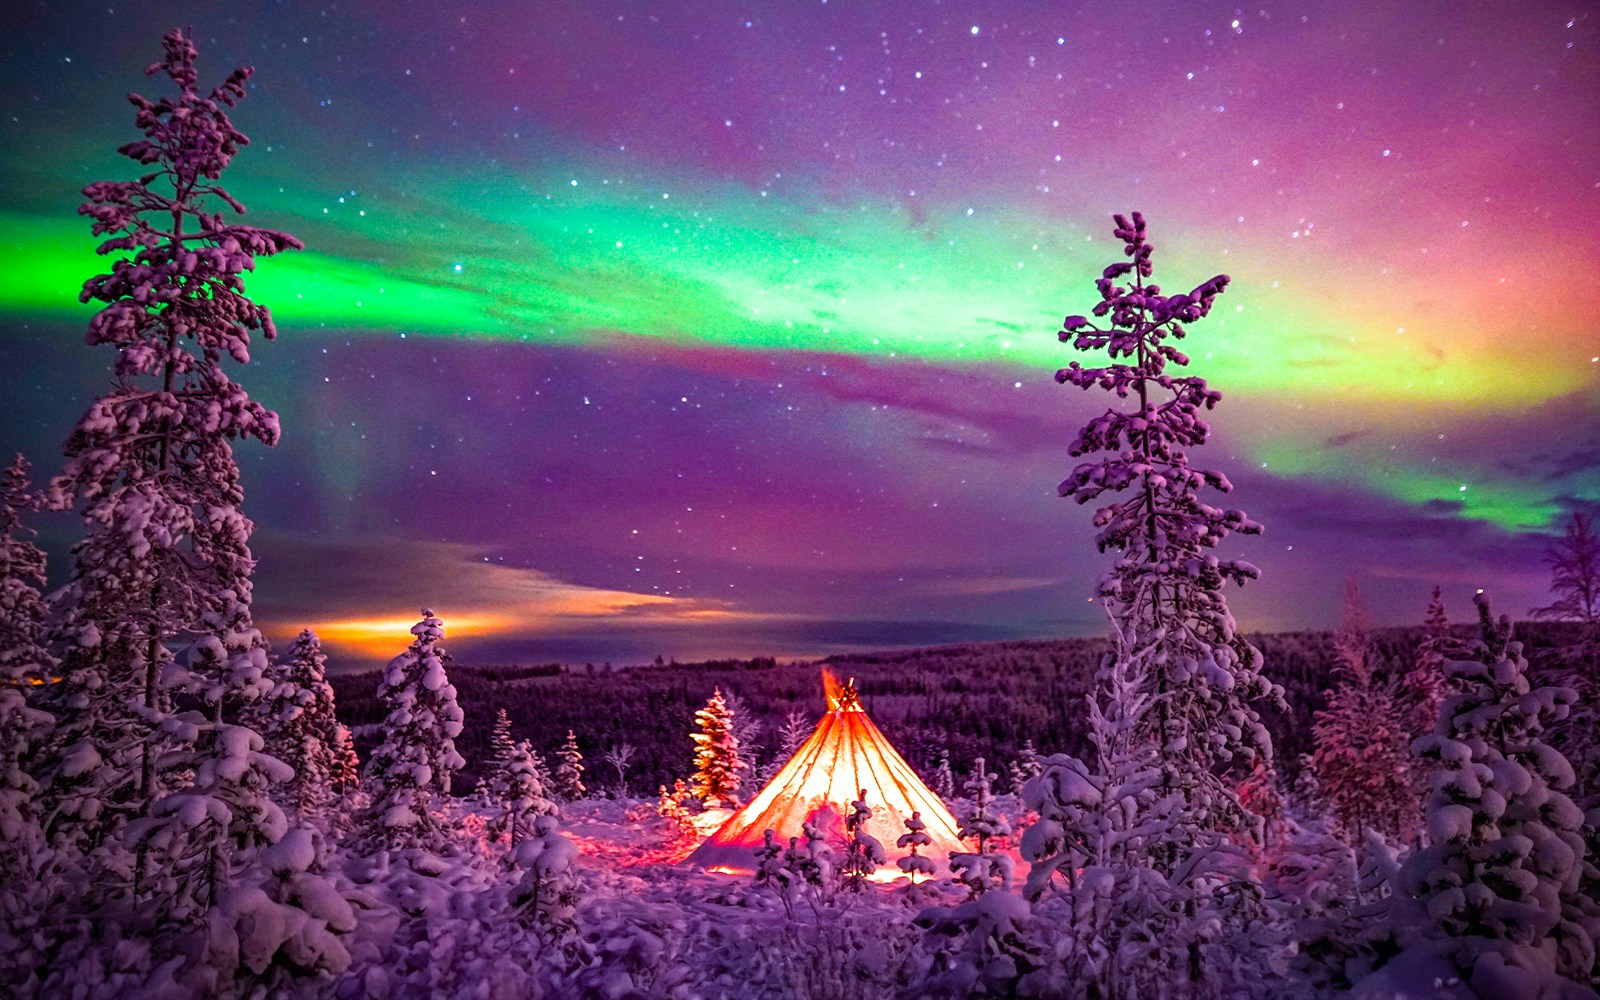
(370,591)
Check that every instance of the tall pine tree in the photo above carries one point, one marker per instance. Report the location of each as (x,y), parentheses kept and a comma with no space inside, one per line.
(150,466)
(1164,593)
(1176,650)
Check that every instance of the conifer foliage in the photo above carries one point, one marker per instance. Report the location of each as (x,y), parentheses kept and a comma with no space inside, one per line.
(1498,891)
(412,767)
(717,760)
(299,725)
(569,773)
(986,867)
(501,746)
(22,575)
(1164,593)
(1175,720)
(523,797)
(1362,757)
(150,465)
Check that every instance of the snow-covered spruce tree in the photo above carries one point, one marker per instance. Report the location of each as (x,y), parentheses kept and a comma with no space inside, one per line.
(863,853)
(1362,750)
(717,758)
(1192,730)
(23,657)
(346,775)
(981,822)
(412,767)
(1497,892)
(569,773)
(747,728)
(499,756)
(915,838)
(1164,593)
(944,779)
(299,727)
(1574,573)
(521,792)
(150,464)
(796,730)
(670,807)
(1422,688)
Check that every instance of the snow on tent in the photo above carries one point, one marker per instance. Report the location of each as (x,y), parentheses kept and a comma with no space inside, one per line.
(846,754)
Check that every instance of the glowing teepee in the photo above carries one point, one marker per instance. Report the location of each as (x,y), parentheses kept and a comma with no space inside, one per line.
(846,754)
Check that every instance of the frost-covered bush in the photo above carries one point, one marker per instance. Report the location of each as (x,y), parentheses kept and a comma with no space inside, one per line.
(989,946)
(547,893)
(1129,910)
(284,921)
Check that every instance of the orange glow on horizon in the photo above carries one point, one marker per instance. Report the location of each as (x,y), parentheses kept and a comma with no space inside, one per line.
(380,638)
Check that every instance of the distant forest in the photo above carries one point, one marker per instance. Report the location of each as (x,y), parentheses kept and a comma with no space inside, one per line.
(976,699)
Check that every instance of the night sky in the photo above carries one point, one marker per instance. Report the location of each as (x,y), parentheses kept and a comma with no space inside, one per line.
(712,329)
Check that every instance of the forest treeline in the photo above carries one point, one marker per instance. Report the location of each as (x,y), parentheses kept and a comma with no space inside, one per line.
(972,700)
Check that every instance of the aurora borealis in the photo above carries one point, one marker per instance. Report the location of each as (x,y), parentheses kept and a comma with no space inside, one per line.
(713,329)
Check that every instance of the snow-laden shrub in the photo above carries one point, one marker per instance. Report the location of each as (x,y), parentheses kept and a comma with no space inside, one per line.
(285,921)
(548,891)
(988,946)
